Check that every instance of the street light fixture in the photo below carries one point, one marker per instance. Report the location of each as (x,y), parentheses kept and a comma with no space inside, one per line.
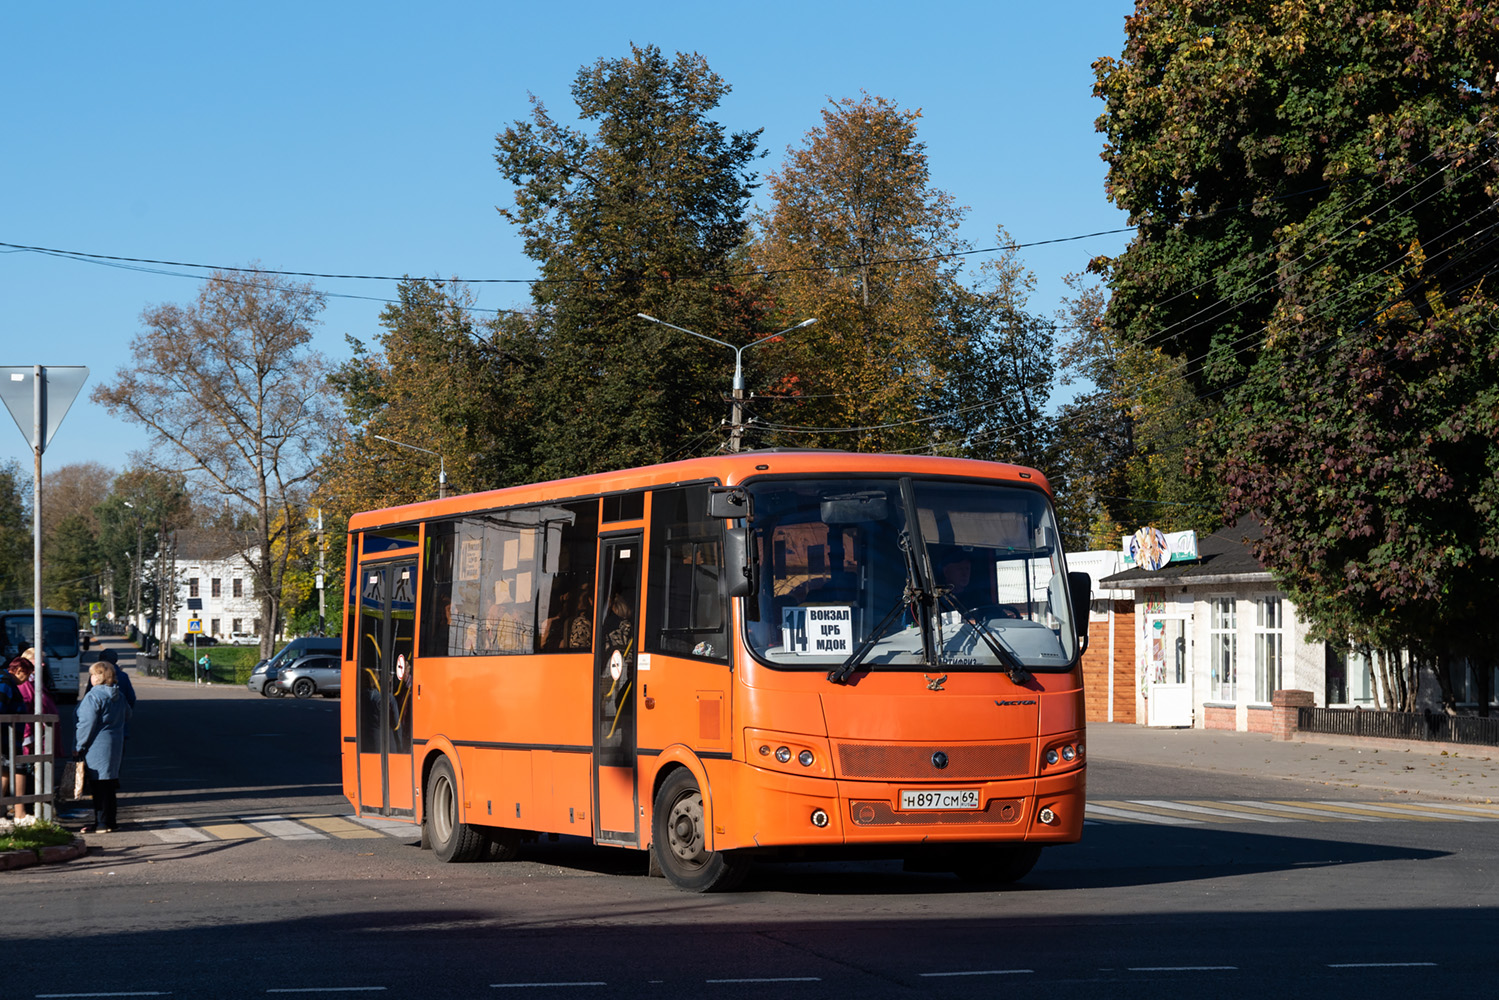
(442,469)
(736,429)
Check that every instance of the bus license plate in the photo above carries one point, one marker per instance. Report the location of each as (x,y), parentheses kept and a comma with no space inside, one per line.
(939,798)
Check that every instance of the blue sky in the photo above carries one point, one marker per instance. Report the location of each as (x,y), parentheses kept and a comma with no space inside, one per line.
(358,138)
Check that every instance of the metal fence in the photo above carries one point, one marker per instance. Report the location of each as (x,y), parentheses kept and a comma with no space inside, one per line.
(1433,727)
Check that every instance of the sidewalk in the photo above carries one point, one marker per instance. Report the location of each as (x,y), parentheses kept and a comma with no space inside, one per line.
(1429,770)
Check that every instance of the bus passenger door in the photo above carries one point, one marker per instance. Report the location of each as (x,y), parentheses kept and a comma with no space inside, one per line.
(387,619)
(617,611)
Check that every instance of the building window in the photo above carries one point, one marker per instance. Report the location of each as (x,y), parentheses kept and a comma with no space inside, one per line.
(235,623)
(215,588)
(192,586)
(1223,641)
(239,587)
(256,627)
(213,624)
(1268,645)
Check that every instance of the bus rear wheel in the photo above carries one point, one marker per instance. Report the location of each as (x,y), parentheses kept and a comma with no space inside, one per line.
(679,840)
(450,839)
(997,864)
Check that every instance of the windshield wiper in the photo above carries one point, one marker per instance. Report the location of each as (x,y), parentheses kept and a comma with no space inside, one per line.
(914,593)
(1001,650)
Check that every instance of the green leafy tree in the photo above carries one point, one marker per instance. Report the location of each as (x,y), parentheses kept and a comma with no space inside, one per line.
(854,237)
(644,215)
(141,504)
(442,380)
(1313,185)
(997,370)
(71,576)
(16,545)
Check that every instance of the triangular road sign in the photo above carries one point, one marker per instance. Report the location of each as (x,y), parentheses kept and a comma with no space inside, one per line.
(60,386)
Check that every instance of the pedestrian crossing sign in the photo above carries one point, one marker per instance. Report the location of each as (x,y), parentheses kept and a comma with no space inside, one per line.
(194,626)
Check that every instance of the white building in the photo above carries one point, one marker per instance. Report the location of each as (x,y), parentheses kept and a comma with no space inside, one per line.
(1214,638)
(214,567)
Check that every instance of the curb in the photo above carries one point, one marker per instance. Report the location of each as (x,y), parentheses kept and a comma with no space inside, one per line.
(52,855)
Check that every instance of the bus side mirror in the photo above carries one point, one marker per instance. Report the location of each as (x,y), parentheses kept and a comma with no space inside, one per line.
(738,578)
(729,502)
(1081,587)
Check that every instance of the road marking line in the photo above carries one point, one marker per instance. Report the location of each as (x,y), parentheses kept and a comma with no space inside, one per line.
(390,826)
(283,829)
(780,979)
(1394,812)
(1478,813)
(1381,965)
(1183,968)
(1140,816)
(178,832)
(1348,809)
(1210,811)
(507,986)
(233,831)
(58,996)
(1322,815)
(982,972)
(342,828)
(329,989)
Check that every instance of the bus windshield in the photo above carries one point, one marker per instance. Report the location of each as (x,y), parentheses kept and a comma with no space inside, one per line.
(59,632)
(841,560)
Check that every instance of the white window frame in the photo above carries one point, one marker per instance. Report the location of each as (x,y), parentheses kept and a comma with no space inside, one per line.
(1223,647)
(1269,645)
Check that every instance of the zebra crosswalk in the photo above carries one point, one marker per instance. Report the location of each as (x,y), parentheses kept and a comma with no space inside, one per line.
(1164,812)
(179,831)
(1194,812)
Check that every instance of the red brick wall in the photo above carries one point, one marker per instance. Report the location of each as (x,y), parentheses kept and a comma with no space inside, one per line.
(1261,720)
(1218,717)
(1097,666)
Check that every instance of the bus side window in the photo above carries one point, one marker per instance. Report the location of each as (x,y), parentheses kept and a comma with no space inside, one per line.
(686,603)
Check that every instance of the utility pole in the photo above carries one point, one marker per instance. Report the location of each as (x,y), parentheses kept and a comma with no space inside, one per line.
(322,547)
(736,413)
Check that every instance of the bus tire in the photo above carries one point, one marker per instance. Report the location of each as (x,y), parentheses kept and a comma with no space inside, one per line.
(451,840)
(503,844)
(679,840)
(997,864)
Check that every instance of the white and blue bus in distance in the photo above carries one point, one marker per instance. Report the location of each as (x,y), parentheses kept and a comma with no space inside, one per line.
(62,659)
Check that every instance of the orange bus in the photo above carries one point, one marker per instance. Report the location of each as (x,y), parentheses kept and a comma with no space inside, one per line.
(774,654)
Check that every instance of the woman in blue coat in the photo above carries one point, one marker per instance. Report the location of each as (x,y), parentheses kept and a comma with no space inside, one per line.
(100,742)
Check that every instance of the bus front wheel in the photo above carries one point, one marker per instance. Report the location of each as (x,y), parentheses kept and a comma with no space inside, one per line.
(679,840)
(450,839)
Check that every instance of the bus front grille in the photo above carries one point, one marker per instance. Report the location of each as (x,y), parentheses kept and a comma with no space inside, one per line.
(964,762)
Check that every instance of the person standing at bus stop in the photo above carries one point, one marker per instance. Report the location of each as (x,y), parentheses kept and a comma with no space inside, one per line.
(23,671)
(100,742)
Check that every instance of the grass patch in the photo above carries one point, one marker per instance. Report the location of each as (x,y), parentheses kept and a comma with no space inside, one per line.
(30,838)
(227,664)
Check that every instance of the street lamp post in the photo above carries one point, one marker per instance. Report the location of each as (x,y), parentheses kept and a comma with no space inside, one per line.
(133,596)
(442,469)
(736,425)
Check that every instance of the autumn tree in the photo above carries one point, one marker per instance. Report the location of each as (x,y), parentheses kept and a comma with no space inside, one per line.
(855,236)
(643,215)
(1314,185)
(237,401)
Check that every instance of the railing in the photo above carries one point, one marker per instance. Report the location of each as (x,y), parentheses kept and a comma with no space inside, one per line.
(1433,727)
(44,730)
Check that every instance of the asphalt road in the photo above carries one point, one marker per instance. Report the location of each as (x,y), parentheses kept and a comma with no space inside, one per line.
(239,874)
